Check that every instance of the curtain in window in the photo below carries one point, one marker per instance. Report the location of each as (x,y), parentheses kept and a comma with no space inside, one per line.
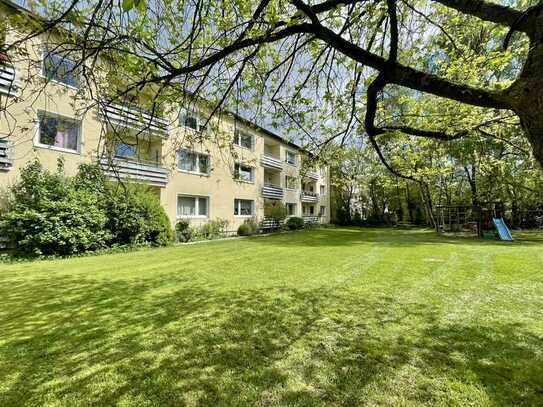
(243,207)
(186,206)
(59,133)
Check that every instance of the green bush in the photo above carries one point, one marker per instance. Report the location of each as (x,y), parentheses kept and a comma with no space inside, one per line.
(135,216)
(214,229)
(275,210)
(248,227)
(295,223)
(183,231)
(47,214)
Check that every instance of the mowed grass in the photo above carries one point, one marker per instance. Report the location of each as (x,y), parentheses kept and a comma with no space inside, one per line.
(322,317)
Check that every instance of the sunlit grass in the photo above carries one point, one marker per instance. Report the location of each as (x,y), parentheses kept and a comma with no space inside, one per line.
(332,316)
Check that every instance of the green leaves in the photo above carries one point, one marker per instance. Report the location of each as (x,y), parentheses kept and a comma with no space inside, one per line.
(140,5)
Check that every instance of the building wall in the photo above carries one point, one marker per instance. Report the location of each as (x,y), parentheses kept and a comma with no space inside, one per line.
(219,186)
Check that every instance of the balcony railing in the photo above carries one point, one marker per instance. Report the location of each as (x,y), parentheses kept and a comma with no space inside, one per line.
(8,80)
(134,118)
(6,160)
(313,175)
(134,170)
(271,162)
(308,196)
(311,219)
(272,191)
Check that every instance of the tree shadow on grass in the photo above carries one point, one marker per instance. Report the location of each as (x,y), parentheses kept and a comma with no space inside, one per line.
(169,342)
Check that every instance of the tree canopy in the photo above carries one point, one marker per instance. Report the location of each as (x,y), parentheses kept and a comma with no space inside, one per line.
(323,71)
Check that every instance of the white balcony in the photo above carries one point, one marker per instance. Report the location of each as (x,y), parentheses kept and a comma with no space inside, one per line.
(312,175)
(6,160)
(308,196)
(134,118)
(272,191)
(271,162)
(136,171)
(8,80)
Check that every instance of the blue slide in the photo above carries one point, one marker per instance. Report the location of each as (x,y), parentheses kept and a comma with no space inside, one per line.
(503,230)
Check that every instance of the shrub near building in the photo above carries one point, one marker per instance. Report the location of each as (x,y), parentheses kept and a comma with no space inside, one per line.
(48,213)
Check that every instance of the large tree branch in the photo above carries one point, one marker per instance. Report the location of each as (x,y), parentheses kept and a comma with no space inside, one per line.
(412,78)
(489,12)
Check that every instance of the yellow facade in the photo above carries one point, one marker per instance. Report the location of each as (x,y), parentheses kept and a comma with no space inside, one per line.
(154,155)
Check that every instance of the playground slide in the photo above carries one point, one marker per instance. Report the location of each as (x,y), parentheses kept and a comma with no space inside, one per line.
(503,230)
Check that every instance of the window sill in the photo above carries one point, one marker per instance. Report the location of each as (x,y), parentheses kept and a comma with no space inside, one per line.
(59,149)
(201,174)
(54,81)
(291,189)
(244,181)
(243,216)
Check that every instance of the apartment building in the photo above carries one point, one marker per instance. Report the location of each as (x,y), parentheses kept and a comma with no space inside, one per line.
(229,169)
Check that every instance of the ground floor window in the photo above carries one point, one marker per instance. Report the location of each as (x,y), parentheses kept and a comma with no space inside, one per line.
(192,206)
(291,209)
(55,131)
(322,210)
(243,207)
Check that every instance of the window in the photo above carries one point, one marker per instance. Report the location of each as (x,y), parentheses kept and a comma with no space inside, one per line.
(190,161)
(322,190)
(60,69)
(192,206)
(243,173)
(291,209)
(191,119)
(59,132)
(243,140)
(308,188)
(290,157)
(243,207)
(311,210)
(290,182)
(124,150)
(322,210)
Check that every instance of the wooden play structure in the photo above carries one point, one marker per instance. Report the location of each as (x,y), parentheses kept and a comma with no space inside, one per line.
(477,219)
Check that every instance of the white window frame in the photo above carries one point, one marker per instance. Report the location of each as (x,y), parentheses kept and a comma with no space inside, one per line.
(237,139)
(196,114)
(198,154)
(286,183)
(238,204)
(321,211)
(196,206)
(38,143)
(236,173)
(295,163)
(43,74)
(321,189)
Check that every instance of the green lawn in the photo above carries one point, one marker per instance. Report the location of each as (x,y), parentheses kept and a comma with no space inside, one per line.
(324,317)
